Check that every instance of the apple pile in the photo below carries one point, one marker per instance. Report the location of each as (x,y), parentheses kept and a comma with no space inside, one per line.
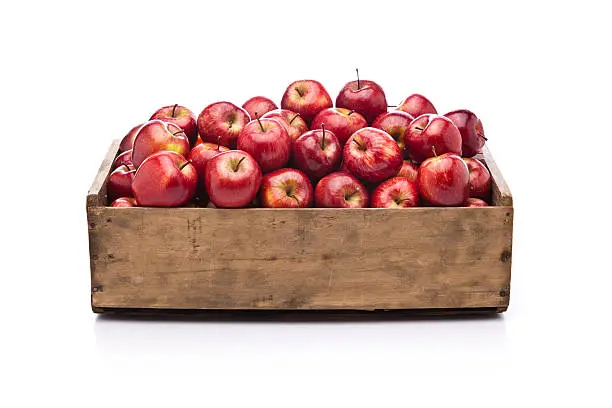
(307,153)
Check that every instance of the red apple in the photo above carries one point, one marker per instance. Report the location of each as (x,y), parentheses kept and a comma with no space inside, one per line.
(124,202)
(472,132)
(120,182)
(198,141)
(156,136)
(480,179)
(396,124)
(128,140)
(306,97)
(317,153)
(199,157)
(341,122)
(267,141)
(409,169)
(294,124)
(232,179)
(286,188)
(258,105)
(165,179)
(476,202)
(372,155)
(397,192)
(417,105)
(181,117)
(340,190)
(365,97)
(429,135)
(222,119)
(444,180)
(123,158)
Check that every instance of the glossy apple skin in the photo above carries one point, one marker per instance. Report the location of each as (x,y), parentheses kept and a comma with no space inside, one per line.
(268,142)
(417,105)
(156,136)
(306,97)
(432,132)
(199,156)
(120,182)
(342,122)
(230,182)
(165,179)
(123,158)
(181,117)
(396,124)
(127,143)
(397,192)
(124,202)
(480,179)
(409,170)
(372,155)
(365,97)
(475,202)
(258,105)
(294,124)
(286,188)
(315,155)
(444,180)
(340,190)
(472,132)
(222,119)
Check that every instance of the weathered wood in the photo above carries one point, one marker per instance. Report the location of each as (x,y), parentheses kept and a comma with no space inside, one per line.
(501,192)
(97,191)
(366,259)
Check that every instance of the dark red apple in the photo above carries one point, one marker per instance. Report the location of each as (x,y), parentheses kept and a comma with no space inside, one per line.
(372,155)
(365,97)
(317,153)
(267,141)
(165,179)
(409,169)
(417,105)
(444,180)
(294,124)
(340,190)
(480,179)
(306,97)
(341,122)
(120,182)
(123,158)
(232,179)
(199,157)
(472,132)
(476,202)
(222,119)
(124,202)
(430,135)
(181,117)
(156,136)
(128,140)
(286,188)
(396,124)
(258,105)
(397,192)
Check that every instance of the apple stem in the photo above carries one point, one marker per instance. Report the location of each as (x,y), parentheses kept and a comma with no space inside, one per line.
(358,144)
(181,167)
(299,92)
(238,164)
(418,128)
(293,118)
(174,109)
(259,121)
(391,106)
(323,139)
(433,148)
(176,133)
(350,113)
(295,198)
(218,143)
(484,138)
(358,82)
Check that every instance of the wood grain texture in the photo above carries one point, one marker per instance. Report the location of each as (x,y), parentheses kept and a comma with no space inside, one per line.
(97,192)
(501,192)
(360,259)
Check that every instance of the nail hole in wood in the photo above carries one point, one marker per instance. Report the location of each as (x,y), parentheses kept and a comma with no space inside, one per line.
(503,293)
(505,256)
(109,220)
(92,225)
(97,289)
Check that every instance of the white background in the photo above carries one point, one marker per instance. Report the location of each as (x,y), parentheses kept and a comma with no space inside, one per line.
(76,75)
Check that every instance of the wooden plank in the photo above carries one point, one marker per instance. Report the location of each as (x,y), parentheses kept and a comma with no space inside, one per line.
(97,191)
(501,192)
(364,259)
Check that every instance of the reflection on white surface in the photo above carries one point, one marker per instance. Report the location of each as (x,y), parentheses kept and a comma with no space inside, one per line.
(234,347)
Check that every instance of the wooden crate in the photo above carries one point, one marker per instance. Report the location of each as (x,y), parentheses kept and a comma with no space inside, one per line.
(442,260)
